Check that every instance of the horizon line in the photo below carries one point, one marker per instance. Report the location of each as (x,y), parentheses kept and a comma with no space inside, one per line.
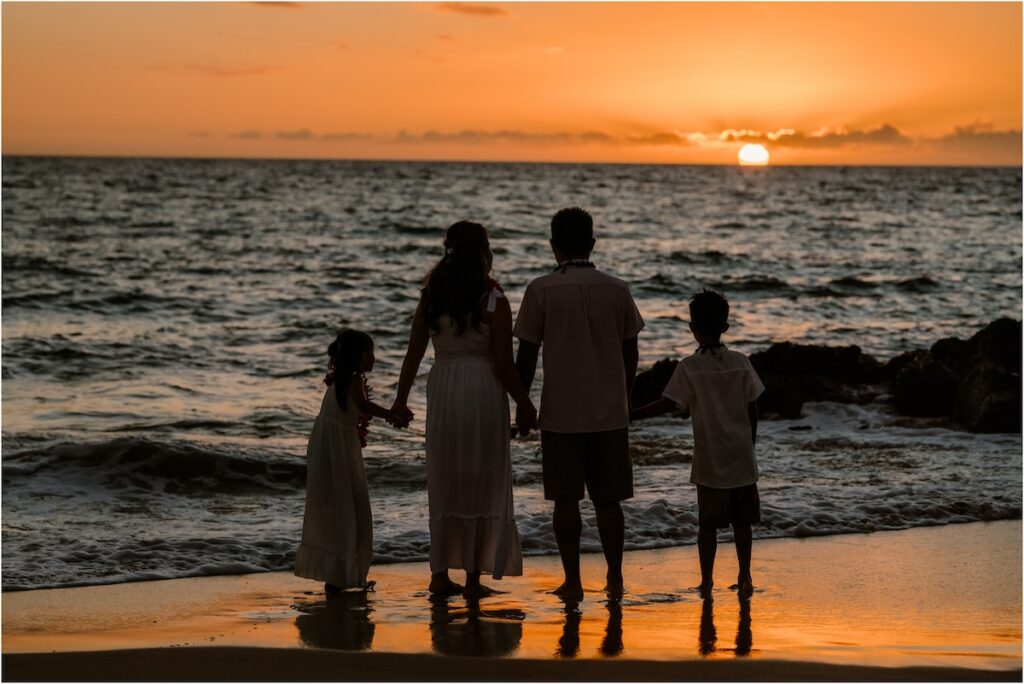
(495,161)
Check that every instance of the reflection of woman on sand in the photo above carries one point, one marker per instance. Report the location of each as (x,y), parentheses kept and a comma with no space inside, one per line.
(342,622)
(472,632)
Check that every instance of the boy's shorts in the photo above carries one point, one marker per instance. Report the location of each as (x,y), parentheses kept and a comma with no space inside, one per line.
(598,459)
(723,507)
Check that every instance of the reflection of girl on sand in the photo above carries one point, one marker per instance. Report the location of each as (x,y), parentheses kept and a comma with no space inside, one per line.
(472,632)
(342,622)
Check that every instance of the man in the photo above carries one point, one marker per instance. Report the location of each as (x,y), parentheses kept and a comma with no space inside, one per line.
(588,324)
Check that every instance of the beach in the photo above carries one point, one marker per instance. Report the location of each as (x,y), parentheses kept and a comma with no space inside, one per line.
(932,604)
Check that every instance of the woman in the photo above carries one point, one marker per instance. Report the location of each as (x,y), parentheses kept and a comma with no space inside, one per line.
(469,468)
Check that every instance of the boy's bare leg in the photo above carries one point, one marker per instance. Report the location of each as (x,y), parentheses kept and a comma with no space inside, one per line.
(707,545)
(568,527)
(744,537)
(611,526)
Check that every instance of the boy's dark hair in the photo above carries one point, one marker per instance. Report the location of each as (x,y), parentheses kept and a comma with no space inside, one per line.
(709,312)
(572,231)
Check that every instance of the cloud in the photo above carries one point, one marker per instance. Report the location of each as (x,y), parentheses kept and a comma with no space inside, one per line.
(981,135)
(820,139)
(300,134)
(342,137)
(248,135)
(476,137)
(472,9)
(230,72)
(445,37)
(278,5)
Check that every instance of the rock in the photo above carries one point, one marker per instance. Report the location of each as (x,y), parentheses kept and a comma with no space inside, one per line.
(989,400)
(999,343)
(649,384)
(955,354)
(797,373)
(925,387)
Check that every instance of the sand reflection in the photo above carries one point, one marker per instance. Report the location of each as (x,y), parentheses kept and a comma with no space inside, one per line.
(342,621)
(707,636)
(467,630)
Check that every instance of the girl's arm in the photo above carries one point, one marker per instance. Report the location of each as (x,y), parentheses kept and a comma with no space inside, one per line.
(418,339)
(357,393)
(501,354)
(655,408)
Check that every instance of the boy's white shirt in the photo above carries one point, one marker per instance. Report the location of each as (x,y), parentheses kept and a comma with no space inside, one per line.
(717,386)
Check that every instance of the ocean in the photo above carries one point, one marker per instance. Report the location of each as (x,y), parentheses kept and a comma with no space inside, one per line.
(165,324)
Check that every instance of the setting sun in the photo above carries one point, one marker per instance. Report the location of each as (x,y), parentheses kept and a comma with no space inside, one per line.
(753,155)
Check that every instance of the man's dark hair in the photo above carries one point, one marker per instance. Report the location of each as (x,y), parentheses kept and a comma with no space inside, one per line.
(709,312)
(572,231)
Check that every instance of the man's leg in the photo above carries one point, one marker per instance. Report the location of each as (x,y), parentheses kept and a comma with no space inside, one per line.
(612,527)
(568,527)
(707,545)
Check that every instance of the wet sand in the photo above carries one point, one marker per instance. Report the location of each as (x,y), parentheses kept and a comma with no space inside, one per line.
(879,606)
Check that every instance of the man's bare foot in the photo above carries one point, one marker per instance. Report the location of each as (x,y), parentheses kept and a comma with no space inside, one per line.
(704,589)
(569,591)
(442,585)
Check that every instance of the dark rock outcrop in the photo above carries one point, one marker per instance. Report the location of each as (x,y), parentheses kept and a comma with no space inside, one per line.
(975,382)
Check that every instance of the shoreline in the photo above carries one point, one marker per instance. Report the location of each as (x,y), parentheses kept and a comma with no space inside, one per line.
(887,606)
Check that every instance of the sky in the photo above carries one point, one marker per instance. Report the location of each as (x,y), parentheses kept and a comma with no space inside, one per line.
(844,83)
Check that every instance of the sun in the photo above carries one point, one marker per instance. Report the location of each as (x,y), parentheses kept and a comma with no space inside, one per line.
(753,154)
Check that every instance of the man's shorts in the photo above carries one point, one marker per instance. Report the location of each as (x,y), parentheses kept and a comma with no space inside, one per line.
(598,459)
(723,507)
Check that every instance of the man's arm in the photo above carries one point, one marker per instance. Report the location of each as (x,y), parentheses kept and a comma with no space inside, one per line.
(630,358)
(752,414)
(526,366)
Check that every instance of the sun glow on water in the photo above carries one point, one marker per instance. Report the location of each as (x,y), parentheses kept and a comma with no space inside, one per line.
(753,154)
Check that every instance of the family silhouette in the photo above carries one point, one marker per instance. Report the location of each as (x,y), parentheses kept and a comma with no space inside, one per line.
(587,325)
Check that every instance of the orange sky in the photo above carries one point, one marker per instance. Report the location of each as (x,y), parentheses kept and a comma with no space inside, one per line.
(851,83)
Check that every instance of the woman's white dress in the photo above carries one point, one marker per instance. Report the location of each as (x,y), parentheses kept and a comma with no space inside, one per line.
(337,529)
(469,466)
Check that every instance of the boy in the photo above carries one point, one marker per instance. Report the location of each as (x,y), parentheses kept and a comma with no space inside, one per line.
(719,387)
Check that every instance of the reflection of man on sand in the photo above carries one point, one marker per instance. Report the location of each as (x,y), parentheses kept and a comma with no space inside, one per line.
(569,642)
(470,631)
(342,622)
(708,637)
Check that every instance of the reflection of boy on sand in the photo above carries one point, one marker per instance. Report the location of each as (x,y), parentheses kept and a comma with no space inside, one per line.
(720,387)
(588,324)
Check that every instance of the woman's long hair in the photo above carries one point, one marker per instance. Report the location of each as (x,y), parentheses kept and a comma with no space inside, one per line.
(343,362)
(455,285)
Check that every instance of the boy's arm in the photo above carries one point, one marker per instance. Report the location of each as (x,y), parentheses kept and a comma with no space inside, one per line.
(655,408)
(752,414)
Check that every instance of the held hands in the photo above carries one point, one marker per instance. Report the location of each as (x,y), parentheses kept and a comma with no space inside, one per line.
(526,418)
(400,416)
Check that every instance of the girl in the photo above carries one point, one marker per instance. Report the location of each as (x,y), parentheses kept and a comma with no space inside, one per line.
(337,530)
(469,469)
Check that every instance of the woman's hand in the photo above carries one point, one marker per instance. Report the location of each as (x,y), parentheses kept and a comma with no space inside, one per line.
(401,415)
(526,418)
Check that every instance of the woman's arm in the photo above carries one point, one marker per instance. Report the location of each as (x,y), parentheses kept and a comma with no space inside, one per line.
(501,354)
(418,339)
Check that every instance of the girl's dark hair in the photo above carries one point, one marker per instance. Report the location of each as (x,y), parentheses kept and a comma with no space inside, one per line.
(343,361)
(455,285)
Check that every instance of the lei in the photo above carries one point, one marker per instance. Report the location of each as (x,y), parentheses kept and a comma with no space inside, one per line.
(363,419)
(493,284)
(582,263)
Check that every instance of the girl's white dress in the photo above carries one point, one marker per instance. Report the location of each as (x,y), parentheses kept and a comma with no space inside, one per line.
(469,467)
(337,529)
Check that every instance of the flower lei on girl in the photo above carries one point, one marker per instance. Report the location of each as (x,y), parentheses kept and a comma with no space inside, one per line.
(493,284)
(363,419)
